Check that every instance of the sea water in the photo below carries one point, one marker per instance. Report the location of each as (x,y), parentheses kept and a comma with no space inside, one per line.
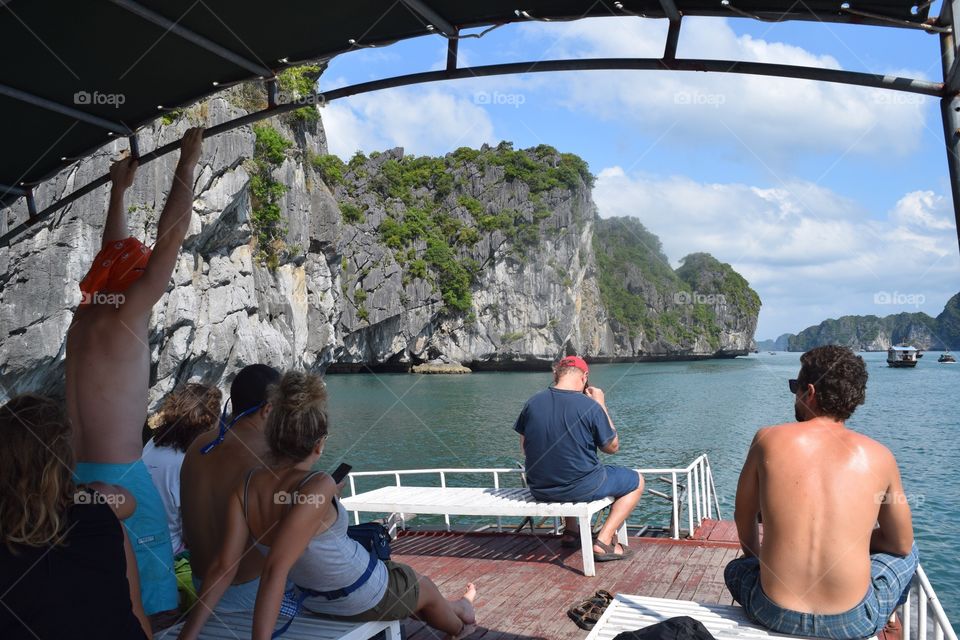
(666,415)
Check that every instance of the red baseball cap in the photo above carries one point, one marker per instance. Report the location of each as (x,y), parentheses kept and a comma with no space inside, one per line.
(574,361)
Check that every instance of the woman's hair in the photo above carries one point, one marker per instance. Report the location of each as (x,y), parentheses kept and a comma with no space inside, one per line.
(298,415)
(36,471)
(187,412)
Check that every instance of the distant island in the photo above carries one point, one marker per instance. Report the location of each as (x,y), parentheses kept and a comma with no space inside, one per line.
(872,333)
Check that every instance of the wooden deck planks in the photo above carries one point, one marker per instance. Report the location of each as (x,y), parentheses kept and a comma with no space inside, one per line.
(526,583)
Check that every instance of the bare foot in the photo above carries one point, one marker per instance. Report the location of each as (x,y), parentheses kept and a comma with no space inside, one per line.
(464,609)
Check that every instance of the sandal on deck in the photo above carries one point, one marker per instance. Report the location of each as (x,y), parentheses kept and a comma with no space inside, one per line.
(586,614)
(610,552)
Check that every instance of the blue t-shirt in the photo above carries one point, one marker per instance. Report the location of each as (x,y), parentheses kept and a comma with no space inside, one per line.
(562,431)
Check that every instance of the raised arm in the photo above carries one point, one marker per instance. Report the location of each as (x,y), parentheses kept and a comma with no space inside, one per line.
(612,445)
(895,533)
(223,570)
(748,500)
(172,228)
(314,512)
(122,173)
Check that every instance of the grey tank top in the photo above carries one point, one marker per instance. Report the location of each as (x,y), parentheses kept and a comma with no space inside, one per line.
(333,561)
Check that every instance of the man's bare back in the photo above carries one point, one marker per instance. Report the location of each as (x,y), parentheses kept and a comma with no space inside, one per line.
(108,354)
(205,511)
(820,487)
(829,498)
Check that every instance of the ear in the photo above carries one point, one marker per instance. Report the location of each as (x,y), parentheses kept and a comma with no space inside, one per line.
(810,397)
(265,411)
(318,448)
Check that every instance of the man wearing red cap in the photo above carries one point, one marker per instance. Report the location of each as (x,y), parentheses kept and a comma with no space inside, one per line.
(560,430)
(108,364)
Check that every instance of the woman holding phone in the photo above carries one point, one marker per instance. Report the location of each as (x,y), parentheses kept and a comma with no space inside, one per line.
(296,520)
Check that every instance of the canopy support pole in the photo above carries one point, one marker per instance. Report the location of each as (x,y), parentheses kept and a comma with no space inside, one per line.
(673,31)
(31,204)
(453,46)
(193,37)
(950,103)
(63,109)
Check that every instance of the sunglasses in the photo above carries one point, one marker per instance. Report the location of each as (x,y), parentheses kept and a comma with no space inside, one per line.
(794,385)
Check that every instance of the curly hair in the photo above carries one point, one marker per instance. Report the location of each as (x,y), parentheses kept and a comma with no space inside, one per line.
(36,471)
(298,415)
(839,377)
(187,412)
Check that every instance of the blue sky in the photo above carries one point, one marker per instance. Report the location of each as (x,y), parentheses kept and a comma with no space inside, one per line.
(830,199)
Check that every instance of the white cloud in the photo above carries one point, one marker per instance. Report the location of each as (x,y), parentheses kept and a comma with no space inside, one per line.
(809,252)
(421,121)
(770,115)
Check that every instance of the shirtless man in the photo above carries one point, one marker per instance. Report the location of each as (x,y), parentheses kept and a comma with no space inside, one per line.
(108,364)
(827,568)
(212,469)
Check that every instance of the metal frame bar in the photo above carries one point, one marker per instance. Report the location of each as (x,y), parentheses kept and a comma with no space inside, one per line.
(193,37)
(429,14)
(950,102)
(65,110)
(908,85)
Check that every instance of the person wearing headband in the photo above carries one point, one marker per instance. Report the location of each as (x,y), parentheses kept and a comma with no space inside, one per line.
(561,428)
(212,467)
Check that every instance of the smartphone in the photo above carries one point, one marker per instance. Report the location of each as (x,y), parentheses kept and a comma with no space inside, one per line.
(341,472)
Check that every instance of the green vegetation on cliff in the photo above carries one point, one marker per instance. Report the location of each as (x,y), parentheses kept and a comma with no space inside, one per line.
(642,293)
(433,217)
(872,332)
(266,218)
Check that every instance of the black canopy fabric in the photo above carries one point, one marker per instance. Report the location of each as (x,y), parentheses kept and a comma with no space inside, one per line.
(66,60)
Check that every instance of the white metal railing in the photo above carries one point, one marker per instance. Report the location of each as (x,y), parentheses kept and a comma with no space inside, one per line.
(915,613)
(693,495)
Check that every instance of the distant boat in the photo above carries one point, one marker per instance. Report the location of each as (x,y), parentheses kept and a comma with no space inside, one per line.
(903,356)
(947,358)
(773,353)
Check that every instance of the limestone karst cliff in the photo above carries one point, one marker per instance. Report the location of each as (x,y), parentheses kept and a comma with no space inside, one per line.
(487,257)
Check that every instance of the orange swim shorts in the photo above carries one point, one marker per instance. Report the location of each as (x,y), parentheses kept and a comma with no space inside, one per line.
(116,267)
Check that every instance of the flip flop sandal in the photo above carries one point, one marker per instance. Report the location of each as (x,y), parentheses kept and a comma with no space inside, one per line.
(609,552)
(603,596)
(586,614)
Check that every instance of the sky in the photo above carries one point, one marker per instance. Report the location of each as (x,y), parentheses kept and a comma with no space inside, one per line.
(829,199)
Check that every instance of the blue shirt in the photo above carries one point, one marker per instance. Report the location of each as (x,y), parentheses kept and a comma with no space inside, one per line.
(562,431)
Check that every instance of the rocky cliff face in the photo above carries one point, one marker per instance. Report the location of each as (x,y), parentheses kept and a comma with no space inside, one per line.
(871,333)
(223,310)
(487,257)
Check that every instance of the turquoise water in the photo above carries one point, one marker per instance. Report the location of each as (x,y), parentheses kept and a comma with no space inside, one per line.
(667,414)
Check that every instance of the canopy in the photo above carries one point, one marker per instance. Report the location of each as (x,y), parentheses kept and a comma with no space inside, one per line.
(78,74)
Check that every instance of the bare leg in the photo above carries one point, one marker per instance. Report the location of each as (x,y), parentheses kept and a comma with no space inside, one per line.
(619,513)
(453,617)
(570,526)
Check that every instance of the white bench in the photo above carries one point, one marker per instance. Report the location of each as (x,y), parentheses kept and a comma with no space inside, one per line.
(474,501)
(724,622)
(230,626)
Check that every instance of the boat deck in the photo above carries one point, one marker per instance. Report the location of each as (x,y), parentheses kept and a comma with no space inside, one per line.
(526,583)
